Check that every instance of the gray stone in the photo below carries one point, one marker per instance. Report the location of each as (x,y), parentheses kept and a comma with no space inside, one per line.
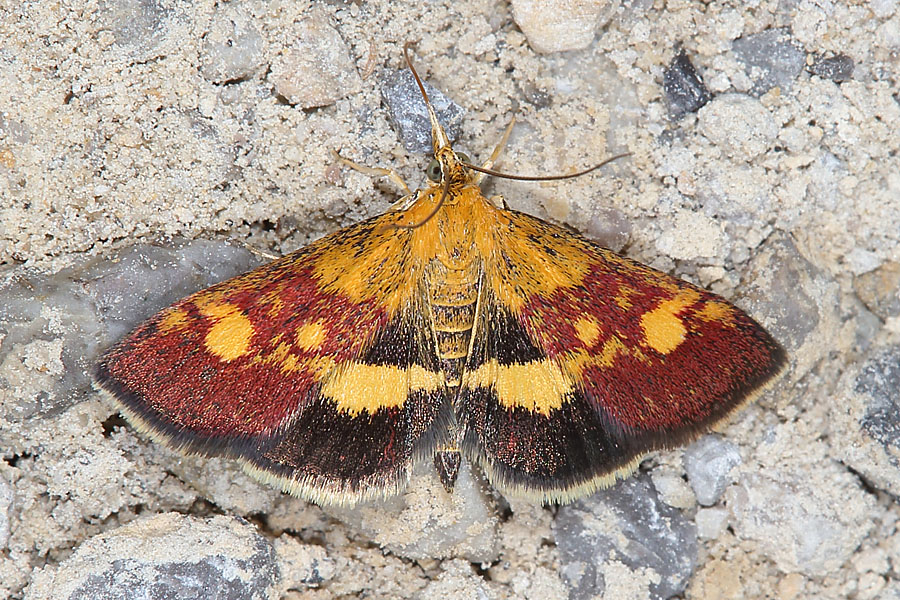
(837,68)
(771,59)
(53,327)
(14,131)
(409,115)
(6,498)
(865,412)
(166,556)
(879,289)
(708,463)
(139,281)
(609,227)
(786,296)
(879,379)
(134,22)
(233,48)
(144,29)
(685,91)
(803,522)
(626,524)
(534,95)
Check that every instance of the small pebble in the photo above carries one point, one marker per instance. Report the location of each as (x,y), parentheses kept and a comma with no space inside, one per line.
(685,91)
(317,70)
(232,49)
(708,463)
(740,125)
(786,290)
(140,26)
(560,25)
(836,68)
(879,289)
(711,522)
(771,59)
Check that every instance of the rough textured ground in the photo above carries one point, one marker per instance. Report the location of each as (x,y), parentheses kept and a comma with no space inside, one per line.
(136,136)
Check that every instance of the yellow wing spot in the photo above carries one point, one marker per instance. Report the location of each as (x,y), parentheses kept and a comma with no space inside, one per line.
(611,349)
(287,361)
(537,386)
(717,311)
(311,335)
(663,328)
(174,320)
(358,387)
(283,357)
(587,330)
(229,337)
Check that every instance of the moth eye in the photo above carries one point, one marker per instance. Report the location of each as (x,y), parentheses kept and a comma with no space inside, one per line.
(433,172)
(463,157)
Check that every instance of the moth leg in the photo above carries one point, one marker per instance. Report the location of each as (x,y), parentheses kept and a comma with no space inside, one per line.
(257,251)
(489,163)
(374,171)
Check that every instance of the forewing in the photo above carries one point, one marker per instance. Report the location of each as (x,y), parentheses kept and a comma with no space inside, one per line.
(584,361)
(314,370)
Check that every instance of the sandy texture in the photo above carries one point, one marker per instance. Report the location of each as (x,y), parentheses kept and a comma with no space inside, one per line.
(130,127)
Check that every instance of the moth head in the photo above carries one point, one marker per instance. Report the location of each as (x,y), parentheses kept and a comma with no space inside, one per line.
(435,172)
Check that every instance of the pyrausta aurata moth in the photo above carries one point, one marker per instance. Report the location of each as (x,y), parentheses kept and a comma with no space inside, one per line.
(449,326)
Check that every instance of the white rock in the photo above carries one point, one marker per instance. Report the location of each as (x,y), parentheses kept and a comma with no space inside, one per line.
(559,25)
(889,33)
(317,70)
(738,124)
(691,236)
(233,49)
(711,522)
(708,463)
(810,525)
(884,8)
(673,490)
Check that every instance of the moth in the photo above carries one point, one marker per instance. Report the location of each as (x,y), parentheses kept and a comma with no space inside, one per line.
(448,327)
